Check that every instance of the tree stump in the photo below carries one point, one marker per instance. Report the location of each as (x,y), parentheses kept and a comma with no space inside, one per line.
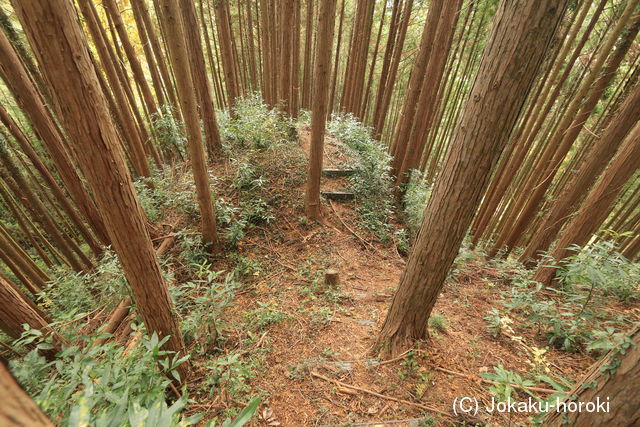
(332,277)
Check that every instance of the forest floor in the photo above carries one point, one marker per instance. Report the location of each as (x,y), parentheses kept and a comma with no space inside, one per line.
(306,347)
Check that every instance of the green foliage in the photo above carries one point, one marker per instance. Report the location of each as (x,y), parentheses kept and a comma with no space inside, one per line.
(245,416)
(72,294)
(566,320)
(237,221)
(599,265)
(193,251)
(409,367)
(245,266)
(167,190)
(496,322)
(416,197)
(246,177)
(608,339)
(504,381)
(371,182)
(255,125)
(168,131)
(229,372)
(102,385)
(201,302)
(266,314)
(438,322)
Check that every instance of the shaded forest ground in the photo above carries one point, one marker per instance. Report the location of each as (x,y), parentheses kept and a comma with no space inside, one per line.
(293,334)
(259,319)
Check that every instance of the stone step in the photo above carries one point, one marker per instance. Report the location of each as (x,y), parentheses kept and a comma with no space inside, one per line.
(338,195)
(337,173)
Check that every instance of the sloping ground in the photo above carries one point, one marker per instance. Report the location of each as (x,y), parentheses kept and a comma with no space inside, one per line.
(307,346)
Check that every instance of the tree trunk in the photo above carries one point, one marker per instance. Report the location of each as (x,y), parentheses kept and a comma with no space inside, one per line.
(176,41)
(567,132)
(228,57)
(614,380)
(56,37)
(18,409)
(575,191)
(44,125)
(321,78)
(407,114)
(16,311)
(112,9)
(200,79)
(520,38)
(598,203)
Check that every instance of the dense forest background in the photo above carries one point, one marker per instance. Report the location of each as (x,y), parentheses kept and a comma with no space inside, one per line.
(317,212)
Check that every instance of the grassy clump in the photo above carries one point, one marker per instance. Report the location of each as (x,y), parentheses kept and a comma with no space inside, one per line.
(600,266)
(575,317)
(371,182)
(254,126)
(415,199)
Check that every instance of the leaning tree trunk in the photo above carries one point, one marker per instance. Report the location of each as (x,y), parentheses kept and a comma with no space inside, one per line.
(177,44)
(56,37)
(32,104)
(18,409)
(520,38)
(319,101)
(597,205)
(200,79)
(16,311)
(614,380)
(597,159)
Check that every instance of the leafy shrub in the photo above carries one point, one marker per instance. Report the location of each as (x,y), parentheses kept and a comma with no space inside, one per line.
(72,293)
(254,126)
(102,385)
(371,182)
(266,314)
(168,131)
(416,197)
(567,320)
(168,190)
(599,265)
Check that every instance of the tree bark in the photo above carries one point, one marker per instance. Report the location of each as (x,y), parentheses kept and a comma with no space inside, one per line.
(597,205)
(575,191)
(56,37)
(519,40)
(35,109)
(326,21)
(178,54)
(18,409)
(200,79)
(618,390)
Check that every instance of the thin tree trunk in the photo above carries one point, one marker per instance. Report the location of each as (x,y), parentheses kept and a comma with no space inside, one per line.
(321,78)
(200,79)
(597,205)
(33,106)
(575,191)
(186,95)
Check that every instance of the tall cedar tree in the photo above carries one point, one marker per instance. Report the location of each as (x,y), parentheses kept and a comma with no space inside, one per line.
(176,41)
(319,101)
(18,409)
(56,37)
(519,40)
